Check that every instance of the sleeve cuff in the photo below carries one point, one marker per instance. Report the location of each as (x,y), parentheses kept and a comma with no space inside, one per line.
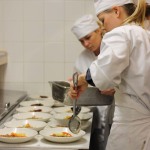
(88,78)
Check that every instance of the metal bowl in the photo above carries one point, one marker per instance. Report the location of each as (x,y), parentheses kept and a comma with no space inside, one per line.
(91,96)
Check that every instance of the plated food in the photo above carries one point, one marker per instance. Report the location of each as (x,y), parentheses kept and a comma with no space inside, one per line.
(55,124)
(67,109)
(32,116)
(48,103)
(34,109)
(45,97)
(63,118)
(36,125)
(16,135)
(67,116)
(61,135)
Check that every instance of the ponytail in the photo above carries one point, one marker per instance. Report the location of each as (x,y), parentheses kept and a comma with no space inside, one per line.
(138,16)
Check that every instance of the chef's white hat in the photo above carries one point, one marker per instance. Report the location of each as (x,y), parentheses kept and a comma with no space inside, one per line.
(148,2)
(102,5)
(84,25)
(136,1)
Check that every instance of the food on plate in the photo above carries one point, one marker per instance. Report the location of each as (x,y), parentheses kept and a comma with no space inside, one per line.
(33,117)
(69,111)
(37,104)
(26,126)
(13,135)
(43,96)
(61,134)
(68,117)
(36,110)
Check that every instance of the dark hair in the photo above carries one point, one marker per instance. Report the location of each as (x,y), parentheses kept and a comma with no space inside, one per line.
(129,8)
(147,11)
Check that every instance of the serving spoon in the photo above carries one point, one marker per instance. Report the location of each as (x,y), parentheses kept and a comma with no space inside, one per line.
(75,122)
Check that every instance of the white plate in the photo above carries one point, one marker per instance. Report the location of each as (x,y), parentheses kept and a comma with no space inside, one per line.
(58,104)
(32,124)
(45,97)
(34,109)
(32,116)
(67,109)
(55,124)
(48,103)
(46,133)
(30,134)
(86,116)
(63,118)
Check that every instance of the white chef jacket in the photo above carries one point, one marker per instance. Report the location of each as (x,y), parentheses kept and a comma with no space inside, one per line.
(82,63)
(101,118)
(147,24)
(124,62)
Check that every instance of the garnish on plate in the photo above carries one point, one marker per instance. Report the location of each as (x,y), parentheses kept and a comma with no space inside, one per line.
(61,134)
(13,134)
(33,117)
(67,117)
(36,110)
(37,104)
(69,111)
(43,96)
(27,126)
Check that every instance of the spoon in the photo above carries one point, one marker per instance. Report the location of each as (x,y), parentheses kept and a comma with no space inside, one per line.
(75,122)
(78,109)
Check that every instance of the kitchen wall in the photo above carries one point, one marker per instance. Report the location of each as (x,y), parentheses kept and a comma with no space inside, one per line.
(41,48)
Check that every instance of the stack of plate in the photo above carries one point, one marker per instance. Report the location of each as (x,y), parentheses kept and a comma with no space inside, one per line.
(62,115)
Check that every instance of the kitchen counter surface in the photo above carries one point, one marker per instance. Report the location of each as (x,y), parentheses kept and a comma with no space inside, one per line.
(38,142)
(42,144)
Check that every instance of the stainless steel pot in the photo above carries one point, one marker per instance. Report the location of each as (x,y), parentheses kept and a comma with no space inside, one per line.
(91,97)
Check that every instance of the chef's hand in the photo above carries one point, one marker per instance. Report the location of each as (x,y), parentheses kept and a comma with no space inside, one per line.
(109,92)
(82,85)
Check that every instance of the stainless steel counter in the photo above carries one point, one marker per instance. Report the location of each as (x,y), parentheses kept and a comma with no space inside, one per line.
(41,144)
(8,100)
(14,98)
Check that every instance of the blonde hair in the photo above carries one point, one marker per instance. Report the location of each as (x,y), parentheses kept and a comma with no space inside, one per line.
(138,15)
(101,26)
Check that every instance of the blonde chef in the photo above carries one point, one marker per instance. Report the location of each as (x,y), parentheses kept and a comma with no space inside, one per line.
(124,63)
(89,32)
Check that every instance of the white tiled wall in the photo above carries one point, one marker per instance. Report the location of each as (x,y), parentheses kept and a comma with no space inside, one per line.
(36,34)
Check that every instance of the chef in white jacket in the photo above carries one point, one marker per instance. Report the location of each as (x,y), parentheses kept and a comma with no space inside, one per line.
(124,63)
(89,32)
